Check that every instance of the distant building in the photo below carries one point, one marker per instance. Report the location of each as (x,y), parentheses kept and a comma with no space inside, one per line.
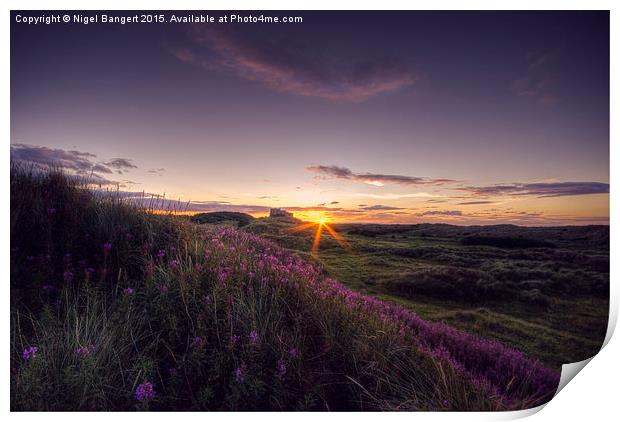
(278,212)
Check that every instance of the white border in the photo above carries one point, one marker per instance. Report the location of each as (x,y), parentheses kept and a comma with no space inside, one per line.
(592,395)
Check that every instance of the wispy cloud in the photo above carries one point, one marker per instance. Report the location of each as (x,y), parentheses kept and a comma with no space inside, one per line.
(158,171)
(543,190)
(83,165)
(391,195)
(286,65)
(375,179)
(440,212)
(380,208)
(475,203)
(537,80)
(120,164)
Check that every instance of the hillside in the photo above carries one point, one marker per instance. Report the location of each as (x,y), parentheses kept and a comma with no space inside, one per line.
(116,309)
(542,290)
(238,219)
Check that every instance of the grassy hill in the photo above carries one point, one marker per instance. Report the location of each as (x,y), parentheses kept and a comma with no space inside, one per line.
(237,219)
(113,308)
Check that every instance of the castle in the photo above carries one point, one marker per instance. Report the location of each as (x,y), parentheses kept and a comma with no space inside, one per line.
(278,212)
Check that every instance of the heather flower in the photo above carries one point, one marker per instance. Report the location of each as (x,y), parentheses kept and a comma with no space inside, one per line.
(128,291)
(30,352)
(253,336)
(144,392)
(85,351)
(240,374)
(161,253)
(293,352)
(51,211)
(107,247)
(47,287)
(174,264)
(234,339)
(198,342)
(280,368)
(67,276)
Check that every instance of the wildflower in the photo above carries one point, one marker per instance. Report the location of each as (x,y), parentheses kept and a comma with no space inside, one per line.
(162,288)
(47,287)
(30,352)
(240,374)
(161,253)
(85,351)
(234,339)
(174,264)
(144,392)
(67,276)
(107,247)
(128,291)
(280,368)
(293,352)
(198,342)
(51,211)
(253,337)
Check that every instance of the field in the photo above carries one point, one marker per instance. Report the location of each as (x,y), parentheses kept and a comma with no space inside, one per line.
(542,290)
(115,308)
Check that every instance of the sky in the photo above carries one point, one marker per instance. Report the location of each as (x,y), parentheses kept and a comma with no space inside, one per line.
(389,117)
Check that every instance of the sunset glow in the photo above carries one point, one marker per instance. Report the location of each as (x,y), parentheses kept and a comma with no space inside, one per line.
(237,121)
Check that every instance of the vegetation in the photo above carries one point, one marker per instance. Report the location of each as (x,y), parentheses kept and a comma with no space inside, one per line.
(238,219)
(115,308)
(542,290)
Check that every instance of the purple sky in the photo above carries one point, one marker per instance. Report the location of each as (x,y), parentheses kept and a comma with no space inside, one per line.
(461,117)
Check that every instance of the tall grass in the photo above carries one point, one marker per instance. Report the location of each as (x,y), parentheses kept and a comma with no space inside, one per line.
(117,300)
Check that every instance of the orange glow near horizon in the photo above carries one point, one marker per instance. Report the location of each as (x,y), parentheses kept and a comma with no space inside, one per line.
(320,225)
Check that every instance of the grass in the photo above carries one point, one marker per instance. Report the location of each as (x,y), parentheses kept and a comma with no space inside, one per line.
(109,301)
(549,302)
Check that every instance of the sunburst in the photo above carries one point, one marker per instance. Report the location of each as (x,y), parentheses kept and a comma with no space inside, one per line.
(319,224)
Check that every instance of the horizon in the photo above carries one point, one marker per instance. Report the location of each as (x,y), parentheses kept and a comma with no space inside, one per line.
(464,118)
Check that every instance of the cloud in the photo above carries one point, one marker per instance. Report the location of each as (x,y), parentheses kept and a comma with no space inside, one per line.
(286,64)
(537,82)
(336,172)
(475,203)
(157,171)
(158,202)
(542,190)
(380,208)
(446,212)
(315,208)
(80,165)
(391,195)
(121,164)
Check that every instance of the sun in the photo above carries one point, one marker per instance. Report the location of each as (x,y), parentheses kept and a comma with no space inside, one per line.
(319,221)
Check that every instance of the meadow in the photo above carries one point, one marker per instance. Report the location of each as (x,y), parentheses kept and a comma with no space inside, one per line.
(116,308)
(542,290)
